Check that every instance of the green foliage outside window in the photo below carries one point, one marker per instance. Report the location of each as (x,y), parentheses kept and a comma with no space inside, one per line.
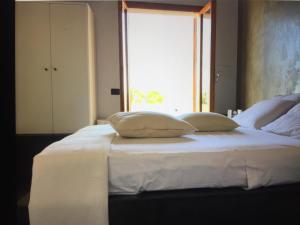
(136,97)
(152,97)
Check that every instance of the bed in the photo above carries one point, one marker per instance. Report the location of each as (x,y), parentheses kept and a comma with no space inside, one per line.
(203,159)
(153,168)
(185,180)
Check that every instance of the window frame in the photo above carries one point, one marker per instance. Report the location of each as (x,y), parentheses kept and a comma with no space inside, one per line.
(123,6)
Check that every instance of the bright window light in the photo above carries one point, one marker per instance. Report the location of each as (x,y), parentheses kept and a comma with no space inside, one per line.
(160,62)
(167,60)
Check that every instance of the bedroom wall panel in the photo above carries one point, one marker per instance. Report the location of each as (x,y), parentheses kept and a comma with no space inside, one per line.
(269,50)
(55,75)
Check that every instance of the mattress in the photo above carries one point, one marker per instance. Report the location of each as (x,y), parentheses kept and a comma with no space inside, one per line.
(243,158)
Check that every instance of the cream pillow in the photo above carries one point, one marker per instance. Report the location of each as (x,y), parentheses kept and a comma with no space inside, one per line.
(206,121)
(149,124)
(292,97)
(288,124)
(263,112)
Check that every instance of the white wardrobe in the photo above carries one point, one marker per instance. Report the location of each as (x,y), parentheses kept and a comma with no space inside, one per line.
(55,77)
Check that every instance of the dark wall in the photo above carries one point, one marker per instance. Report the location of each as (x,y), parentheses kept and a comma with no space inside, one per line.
(269,49)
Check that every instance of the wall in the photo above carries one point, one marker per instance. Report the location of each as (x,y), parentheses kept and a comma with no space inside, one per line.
(226,55)
(107,53)
(107,56)
(269,50)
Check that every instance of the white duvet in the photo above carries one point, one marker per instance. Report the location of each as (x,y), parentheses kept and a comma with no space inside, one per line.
(71,177)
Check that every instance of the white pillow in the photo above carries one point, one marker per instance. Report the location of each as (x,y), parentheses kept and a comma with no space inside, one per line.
(207,121)
(263,112)
(149,124)
(293,97)
(288,124)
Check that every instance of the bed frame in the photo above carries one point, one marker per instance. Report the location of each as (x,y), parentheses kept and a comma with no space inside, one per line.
(273,205)
(279,205)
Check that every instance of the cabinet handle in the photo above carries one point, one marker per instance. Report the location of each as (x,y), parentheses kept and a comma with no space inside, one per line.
(55,69)
(46,69)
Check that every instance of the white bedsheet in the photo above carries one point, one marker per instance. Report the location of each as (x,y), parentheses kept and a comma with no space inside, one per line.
(70,177)
(218,159)
(70,180)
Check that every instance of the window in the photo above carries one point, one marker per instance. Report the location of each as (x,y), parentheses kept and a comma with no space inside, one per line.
(165,58)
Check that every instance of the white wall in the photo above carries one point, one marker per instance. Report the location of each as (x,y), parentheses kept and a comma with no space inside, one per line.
(107,56)
(107,53)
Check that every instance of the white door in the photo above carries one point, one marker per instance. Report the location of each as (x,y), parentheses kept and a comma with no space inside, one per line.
(33,73)
(69,50)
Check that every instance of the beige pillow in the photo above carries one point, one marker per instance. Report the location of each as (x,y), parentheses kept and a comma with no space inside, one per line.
(206,121)
(149,124)
(263,112)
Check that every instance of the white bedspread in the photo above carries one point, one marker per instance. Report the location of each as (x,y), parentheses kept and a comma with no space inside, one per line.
(70,180)
(70,177)
(245,157)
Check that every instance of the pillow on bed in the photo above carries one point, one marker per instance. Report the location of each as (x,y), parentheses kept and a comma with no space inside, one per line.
(206,121)
(288,124)
(149,124)
(263,112)
(293,97)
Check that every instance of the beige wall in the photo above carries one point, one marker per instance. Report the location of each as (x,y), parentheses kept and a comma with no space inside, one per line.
(270,50)
(107,53)
(107,56)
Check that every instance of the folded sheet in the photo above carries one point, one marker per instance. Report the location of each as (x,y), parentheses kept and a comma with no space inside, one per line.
(266,167)
(70,180)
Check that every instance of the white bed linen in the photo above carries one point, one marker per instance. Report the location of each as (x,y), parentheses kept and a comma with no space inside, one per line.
(205,159)
(70,180)
(70,177)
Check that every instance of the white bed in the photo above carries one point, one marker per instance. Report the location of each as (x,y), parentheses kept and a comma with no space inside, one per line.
(203,159)
(72,178)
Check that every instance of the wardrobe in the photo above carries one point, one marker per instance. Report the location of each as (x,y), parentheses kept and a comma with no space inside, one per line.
(55,68)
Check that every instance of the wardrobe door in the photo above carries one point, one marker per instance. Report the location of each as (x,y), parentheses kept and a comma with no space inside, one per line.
(33,74)
(69,50)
